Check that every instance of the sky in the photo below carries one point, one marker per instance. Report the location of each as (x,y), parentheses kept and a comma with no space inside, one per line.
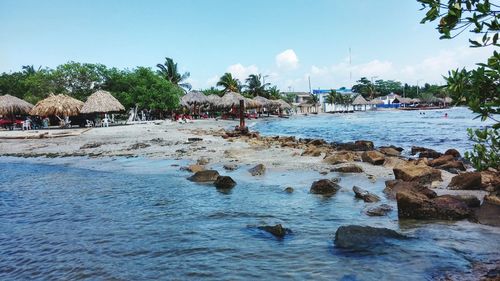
(287,41)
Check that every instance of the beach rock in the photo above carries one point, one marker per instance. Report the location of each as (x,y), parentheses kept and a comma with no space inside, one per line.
(348,169)
(490,180)
(419,173)
(380,210)
(391,162)
(339,157)
(317,142)
(470,200)
(276,230)
(204,176)
(289,190)
(399,149)
(312,151)
(453,166)
(258,170)
(441,160)
(358,237)
(194,139)
(430,153)
(373,157)
(202,161)
(392,187)
(414,205)
(138,145)
(195,168)
(91,145)
(466,181)
(224,182)
(417,149)
(389,151)
(360,145)
(365,195)
(230,167)
(488,213)
(324,187)
(453,152)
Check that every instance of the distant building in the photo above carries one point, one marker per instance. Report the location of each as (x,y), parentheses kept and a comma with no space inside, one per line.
(302,102)
(326,107)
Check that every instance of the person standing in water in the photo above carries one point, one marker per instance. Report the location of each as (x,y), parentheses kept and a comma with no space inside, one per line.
(446,115)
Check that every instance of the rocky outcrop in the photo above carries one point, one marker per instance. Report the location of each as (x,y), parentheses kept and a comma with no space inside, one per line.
(348,169)
(363,237)
(420,173)
(390,151)
(453,152)
(204,176)
(324,187)
(467,181)
(490,180)
(360,145)
(441,160)
(380,210)
(448,163)
(230,167)
(470,200)
(224,182)
(392,187)
(489,212)
(312,151)
(277,230)
(195,168)
(289,190)
(365,195)
(425,152)
(373,157)
(339,157)
(258,170)
(414,205)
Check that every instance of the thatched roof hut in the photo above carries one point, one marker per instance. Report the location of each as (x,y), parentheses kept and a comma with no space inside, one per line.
(101,102)
(282,104)
(57,105)
(376,101)
(231,99)
(213,102)
(12,105)
(263,101)
(194,97)
(359,100)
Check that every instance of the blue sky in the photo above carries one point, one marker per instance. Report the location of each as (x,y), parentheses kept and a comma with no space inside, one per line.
(286,40)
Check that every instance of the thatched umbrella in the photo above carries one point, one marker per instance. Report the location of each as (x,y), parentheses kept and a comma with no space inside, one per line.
(194,97)
(12,105)
(101,102)
(265,102)
(376,101)
(359,100)
(281,104)
(231,99)
(57,105)
(252,103)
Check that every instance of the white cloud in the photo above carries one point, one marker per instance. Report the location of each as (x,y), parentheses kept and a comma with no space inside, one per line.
(287,60)
(241,72)
(212,81)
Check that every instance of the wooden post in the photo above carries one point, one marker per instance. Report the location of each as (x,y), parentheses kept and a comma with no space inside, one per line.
(242,115)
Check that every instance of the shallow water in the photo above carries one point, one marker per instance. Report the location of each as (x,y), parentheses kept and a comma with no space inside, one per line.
(427,128)
(136,219)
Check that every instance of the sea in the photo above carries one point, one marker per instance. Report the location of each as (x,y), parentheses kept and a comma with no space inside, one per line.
(141,219)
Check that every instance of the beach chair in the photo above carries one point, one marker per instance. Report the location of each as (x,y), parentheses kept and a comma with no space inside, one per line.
(26,125)
(89,124)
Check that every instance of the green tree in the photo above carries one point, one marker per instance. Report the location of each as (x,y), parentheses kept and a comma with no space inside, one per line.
(229,83)
(255,87)
(274,93)
(78,79)
(331,98)
(479,88)
(365,87)
(212,91)
(169,71)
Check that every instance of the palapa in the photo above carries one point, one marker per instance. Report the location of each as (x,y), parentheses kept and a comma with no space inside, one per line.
(282,104)
(376,101)
(231,99)
(12,105)
(263,101)
(194,97)
(359,100)
(59,105)
(101,102)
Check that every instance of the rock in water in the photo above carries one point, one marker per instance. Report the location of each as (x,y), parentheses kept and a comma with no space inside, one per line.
(453,152)
(373,157)
(348,169)
(390,151)
(416,205)
(469,181)
(392,187)
(230,167)
(224,182)
(195,168)
(363,237)
(258,170)
(488,213)
(420,173)
(365,195)
(289,190)
(381,210)
(204,176)
(277,230)
(324,187)
(339,157)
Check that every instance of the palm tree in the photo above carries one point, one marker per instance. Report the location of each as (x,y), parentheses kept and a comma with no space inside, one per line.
(331,98)
(255,87)
(30,69)
(229,83)
(313,99)
(274,93)
(169,71)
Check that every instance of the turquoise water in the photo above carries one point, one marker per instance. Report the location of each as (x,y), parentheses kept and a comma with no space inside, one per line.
(396,127)
(140,219)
